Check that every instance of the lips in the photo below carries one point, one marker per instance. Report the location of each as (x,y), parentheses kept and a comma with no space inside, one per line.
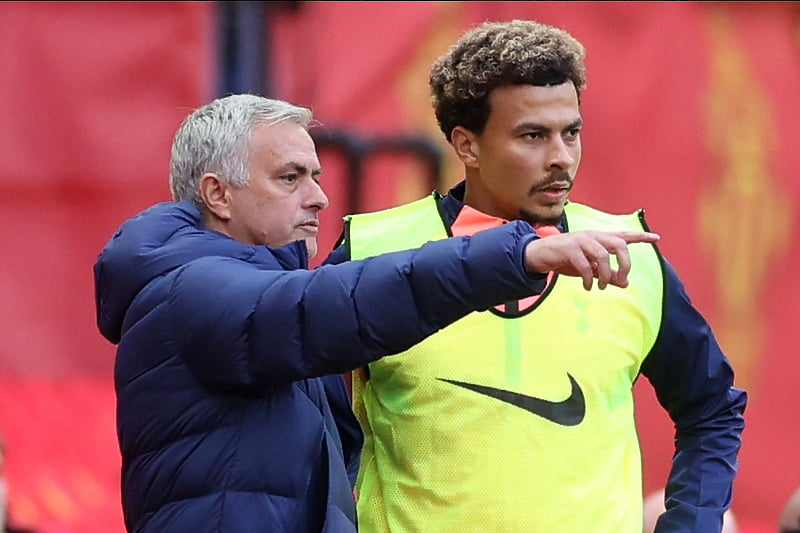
(555,193)
(310,226)
(555,187)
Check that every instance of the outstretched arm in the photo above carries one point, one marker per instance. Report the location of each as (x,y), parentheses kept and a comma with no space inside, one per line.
(269,327)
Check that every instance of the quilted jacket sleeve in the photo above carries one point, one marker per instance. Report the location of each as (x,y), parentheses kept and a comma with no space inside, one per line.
(265,328)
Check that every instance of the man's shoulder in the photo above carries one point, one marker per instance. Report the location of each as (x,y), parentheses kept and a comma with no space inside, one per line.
(407,208)
(599,218)
(400,225)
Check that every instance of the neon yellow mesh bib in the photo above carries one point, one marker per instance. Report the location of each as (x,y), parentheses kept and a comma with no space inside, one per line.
(509,424)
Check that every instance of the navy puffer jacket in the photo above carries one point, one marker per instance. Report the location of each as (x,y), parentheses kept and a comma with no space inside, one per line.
(232,415)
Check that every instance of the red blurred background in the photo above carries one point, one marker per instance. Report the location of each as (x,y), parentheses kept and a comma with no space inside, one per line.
(692,111)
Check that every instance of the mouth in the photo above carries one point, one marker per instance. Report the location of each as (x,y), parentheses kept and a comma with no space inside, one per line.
(555,191)
(555,186)
(310,226)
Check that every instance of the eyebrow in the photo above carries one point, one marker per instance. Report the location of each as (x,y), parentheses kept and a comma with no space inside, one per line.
(300,168)
(577,123)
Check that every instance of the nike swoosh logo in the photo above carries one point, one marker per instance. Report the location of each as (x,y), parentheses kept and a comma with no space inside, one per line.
(569,412)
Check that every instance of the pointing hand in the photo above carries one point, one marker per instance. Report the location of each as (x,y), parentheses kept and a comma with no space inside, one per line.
(587,254)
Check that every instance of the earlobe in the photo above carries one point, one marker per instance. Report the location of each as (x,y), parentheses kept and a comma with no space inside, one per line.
(465,145)
(214,193)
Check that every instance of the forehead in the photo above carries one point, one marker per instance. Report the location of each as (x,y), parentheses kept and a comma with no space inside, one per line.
(512,105)
(285,141)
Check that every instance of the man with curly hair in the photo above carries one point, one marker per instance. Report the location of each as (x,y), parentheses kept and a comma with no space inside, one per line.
(520,418)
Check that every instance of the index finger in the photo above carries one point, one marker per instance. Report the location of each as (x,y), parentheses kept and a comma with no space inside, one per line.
(638,236)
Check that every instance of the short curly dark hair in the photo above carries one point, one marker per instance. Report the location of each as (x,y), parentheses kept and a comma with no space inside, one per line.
(494,54)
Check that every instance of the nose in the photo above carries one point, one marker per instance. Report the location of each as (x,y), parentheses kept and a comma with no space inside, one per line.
(560,154)
(316,196)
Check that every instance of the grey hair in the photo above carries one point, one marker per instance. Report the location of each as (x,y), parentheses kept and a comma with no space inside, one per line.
(217,138)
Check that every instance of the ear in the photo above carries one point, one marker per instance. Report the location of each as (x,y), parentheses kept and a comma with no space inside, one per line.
(465,144)
(216,195)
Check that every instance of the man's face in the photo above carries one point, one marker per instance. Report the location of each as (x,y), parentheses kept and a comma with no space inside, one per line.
(528,154)
(283,199)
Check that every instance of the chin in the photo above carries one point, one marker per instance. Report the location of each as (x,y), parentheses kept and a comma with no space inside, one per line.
(311,247)
(543,216)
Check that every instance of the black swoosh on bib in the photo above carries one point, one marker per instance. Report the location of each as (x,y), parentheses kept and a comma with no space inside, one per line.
(569,412)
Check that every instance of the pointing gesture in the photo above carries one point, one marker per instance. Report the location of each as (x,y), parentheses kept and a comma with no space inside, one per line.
(587,254)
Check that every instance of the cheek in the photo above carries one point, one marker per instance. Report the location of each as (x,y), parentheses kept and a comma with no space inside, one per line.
(524,164)
(518,172)
(278,223)
(274,222)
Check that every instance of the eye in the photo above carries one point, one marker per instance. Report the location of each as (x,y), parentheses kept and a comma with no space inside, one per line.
(289,178)
(572,133)
(532,135)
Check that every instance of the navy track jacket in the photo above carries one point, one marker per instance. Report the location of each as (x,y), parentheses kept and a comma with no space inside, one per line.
(232,415)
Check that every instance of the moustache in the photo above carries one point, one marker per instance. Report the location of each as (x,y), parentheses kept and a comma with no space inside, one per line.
(561,177)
